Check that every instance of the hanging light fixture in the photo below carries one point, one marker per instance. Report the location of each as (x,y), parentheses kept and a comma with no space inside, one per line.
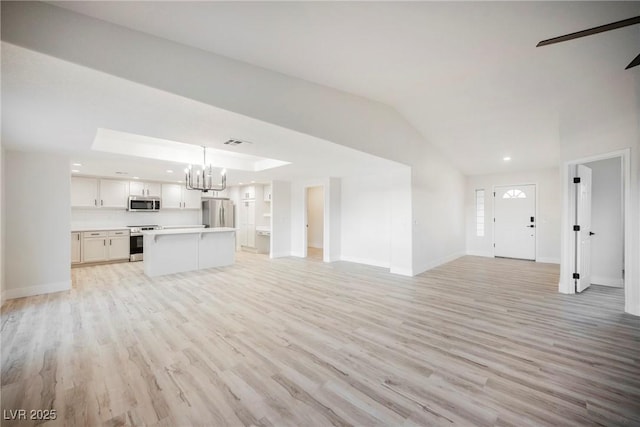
(202,180)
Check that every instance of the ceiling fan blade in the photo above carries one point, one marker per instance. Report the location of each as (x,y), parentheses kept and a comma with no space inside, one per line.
(591,31)
(633,63)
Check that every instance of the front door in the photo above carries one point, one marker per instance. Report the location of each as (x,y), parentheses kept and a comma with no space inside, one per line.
(515,221)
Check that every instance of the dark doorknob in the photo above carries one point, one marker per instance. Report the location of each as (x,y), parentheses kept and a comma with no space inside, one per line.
(591,233)
(531,226)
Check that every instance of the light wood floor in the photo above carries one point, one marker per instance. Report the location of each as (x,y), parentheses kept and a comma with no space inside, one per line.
(295,342)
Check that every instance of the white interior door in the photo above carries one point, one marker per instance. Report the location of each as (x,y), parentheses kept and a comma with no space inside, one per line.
(583,236)
(515,222)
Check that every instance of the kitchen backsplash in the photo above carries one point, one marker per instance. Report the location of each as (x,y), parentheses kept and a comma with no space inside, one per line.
(86,218)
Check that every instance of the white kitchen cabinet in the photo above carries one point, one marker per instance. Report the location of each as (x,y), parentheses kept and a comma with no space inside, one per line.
(118,245)
(99,246)
(176,196)
(76,248)
(216,194)
(248,192)
(84,192)
(267,193)
(113,193)
(191,199)
(247,220)
(98,193)
(145,189)
(94,247)
(171,196)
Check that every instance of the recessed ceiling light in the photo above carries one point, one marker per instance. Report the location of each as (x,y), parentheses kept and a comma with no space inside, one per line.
(169,171)
(77,164)
(506,158)
(239,183)
(135,177)
(74,171)
(253,182)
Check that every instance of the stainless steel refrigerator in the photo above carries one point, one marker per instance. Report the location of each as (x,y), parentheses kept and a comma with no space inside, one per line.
(218,213)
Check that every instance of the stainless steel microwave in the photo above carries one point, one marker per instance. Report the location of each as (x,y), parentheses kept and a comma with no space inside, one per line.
(143,204)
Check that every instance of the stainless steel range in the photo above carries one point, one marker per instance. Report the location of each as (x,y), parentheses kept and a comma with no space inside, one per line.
(136,248)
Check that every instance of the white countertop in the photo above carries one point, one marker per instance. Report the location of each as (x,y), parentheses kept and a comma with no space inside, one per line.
(187,231)
(171,227)
(81,229)
(263,228)
(124,227)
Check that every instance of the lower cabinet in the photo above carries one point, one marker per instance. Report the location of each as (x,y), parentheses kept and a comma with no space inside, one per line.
(94,249)
(76,248)
(100,246)
(118,247)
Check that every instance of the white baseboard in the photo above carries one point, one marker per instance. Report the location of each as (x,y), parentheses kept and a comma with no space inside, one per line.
(401,271)
(366,261)
(549,260)
(439,262)
(566,288)
(632,309)
(279,254)
(484,254)
(607,281)
(47,288)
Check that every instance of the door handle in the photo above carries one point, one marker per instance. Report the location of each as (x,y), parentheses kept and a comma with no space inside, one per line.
(591,233)
(530,226)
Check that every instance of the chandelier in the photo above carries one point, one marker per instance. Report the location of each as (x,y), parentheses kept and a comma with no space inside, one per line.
(202,180)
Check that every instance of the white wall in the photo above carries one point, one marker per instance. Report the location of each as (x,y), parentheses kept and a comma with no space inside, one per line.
(607,260)
(89,218)
(334,233)
(2,225)
(280,219)
(38,215)
(315,217)
(438,212)
(548,207)
(432,233)
(366,219)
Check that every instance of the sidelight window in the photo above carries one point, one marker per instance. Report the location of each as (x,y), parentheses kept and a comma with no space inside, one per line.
(480,213)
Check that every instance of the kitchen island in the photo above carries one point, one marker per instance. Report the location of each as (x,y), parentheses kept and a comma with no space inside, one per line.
(186,249)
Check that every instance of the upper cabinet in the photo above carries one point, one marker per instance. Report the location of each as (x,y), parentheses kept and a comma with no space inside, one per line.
(147,189)
(171,196)
(113,194)
(248,192)
(267,193)
(84,192)
(98,193)
(215,194)
(192,199)
(176,196)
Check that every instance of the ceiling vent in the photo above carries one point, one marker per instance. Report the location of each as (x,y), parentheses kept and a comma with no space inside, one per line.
(236,142)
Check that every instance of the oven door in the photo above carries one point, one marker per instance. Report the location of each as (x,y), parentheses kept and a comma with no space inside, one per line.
(135,247)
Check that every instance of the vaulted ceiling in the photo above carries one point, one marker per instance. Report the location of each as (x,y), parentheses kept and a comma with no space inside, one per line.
(466,75)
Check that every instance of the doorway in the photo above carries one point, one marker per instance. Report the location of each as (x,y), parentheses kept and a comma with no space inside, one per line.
(571,268)
(315,223)
(599,224)
(515,221)
(607,222)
